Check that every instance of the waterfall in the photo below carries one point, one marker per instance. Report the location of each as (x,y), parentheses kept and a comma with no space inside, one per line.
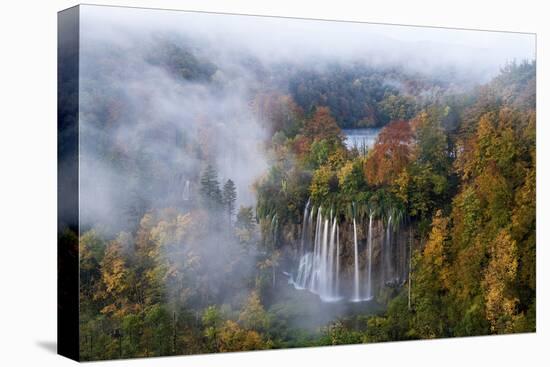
(320,263)
(304,229)
(337,288)
(331,271)
(369,253)
(356,297)
(316,252)
(405,255)
(323,269)
(318,269)
(402,252)
(304,271)
(186,191)
(388,272)
(310,221)
(273,229)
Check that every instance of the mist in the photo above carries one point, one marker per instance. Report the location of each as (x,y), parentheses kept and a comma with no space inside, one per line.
(470,53)
(160,107)
(149,125)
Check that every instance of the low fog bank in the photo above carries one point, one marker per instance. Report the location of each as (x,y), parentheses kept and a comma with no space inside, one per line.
(147,133)
(151,122)
(469,54)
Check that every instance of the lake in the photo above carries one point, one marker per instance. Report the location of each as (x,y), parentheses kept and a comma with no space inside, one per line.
(363,137)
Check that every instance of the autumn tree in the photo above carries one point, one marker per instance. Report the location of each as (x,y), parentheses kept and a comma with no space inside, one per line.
(212,321)
(279,112)
(322,126)
(524,232)
(233,338)
(390,154)
(428,182)
(148,269)
(498,283)
(430,282)
(253,315)
(115,276)
(351,179)
(398,107)
(323,183)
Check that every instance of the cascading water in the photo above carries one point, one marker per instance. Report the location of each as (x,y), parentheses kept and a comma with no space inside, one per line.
(320,265)
(331,271)
(356,296)
(304,271)
(337,286)
(316,252)
(318,269)
(388,269)
(304,230)
(323,272)
(310,223)
(369,254)
(186,191)
(273,229)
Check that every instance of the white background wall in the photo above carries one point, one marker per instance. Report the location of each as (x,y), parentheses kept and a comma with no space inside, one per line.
(28,182)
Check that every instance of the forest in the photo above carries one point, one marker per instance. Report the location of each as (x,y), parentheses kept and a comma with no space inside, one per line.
(430,232)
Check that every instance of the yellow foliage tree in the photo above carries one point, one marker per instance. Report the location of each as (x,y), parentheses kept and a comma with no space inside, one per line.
(115,276)
(233,338)
(500,302)
(253,315)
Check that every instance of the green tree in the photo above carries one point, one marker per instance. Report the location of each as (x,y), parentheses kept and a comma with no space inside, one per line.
(323,183)
(429,183)
(91,249)
(253,315)
(351,179)
(233,338)
(245,218)
(229,196)
(132,325)
(210,192)
(337,333)
(158,328)
(398,107)
(429,282)
(212,321)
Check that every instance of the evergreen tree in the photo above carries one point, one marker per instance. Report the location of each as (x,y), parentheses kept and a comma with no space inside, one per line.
(210,188)
(245,218)
(229,196)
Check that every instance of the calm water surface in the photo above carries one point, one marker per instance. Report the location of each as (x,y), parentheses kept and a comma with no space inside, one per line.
(359,138)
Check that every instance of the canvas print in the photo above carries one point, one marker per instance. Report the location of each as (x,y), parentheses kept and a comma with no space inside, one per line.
(237,183)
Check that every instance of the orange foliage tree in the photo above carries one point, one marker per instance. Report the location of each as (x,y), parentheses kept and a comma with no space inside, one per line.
(390,154)
(322,126)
